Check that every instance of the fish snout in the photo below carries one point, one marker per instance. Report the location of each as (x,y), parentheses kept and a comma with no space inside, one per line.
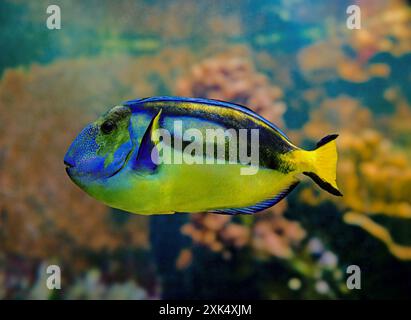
(69,162)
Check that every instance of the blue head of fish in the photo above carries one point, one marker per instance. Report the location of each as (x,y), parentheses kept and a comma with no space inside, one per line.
(101,149)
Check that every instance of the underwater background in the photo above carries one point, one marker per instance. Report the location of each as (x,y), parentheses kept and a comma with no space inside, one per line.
(294,62)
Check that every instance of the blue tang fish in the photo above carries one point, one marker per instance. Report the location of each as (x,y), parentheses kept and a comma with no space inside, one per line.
(120,159)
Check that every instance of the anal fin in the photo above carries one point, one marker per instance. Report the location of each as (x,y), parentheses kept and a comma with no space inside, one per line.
(259,206)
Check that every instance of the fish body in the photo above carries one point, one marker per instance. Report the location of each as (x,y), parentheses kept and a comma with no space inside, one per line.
(116,159)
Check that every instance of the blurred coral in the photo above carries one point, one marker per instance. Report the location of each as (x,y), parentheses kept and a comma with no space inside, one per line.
(42,213)
(230,78)
(368,159)
(336,64)
(217,232)
(184,259)
(387,29)
(277,236)
(352,82)
(234,78)
(39,205)
(91,287)
(270,235)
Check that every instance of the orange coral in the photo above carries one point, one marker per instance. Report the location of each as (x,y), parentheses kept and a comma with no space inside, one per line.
(400,251)
(234,79)
(275,235)
(271,235)
(367,160)
(215,232)
(38,119)
(184,259)
(386,29)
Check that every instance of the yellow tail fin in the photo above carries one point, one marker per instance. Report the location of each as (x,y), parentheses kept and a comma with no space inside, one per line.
(325,165)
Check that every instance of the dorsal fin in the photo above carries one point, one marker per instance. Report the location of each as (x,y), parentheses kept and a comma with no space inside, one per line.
(261,205)
(147,150)
(212,102)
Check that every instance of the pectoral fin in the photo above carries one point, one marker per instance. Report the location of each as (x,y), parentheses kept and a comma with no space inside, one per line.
(146,160)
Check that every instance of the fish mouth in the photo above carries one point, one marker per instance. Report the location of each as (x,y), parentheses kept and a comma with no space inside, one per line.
(68,164)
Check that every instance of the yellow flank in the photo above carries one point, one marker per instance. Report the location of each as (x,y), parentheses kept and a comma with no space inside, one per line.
(206,187)
(223,187)
(193,188)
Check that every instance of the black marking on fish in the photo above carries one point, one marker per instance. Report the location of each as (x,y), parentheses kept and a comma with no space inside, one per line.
(272,141)
(261,205)
(326,139)
(211,102)
(323,184)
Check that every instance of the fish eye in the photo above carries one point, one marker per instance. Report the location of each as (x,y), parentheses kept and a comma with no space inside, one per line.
(108,127)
